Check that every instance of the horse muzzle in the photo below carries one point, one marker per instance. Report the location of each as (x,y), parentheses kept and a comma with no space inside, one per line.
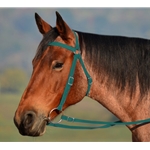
(31,124)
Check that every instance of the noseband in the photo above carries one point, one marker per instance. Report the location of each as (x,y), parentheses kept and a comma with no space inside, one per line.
(77,56)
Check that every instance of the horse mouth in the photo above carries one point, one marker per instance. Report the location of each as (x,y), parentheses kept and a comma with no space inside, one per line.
(31,124)
(38,129)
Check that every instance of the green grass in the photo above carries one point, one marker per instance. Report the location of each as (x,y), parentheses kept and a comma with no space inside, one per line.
(84,109)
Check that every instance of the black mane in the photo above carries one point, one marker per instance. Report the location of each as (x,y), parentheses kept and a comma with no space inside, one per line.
(124,60)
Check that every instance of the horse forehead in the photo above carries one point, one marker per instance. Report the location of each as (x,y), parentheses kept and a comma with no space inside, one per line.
(57,52)
(59,39)
(48,56)
(47,52)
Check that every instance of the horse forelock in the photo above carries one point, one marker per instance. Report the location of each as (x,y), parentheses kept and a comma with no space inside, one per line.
(48,37)
(123,60)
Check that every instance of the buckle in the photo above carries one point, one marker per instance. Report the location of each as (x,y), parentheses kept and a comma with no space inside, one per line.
(70,81)
(70,119)
(90,80)
(77,52)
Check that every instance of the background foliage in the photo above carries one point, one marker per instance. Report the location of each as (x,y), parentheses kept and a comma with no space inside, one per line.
(13,80)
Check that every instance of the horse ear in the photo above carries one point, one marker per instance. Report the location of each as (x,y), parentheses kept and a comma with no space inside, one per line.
(43,26)
(63,29)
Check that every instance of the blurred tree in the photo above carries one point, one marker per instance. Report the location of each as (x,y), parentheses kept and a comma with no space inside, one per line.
(13,80)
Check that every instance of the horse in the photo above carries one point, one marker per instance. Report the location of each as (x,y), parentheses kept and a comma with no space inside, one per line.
(118,65)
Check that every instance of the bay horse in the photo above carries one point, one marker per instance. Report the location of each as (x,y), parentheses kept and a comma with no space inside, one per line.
(119,67)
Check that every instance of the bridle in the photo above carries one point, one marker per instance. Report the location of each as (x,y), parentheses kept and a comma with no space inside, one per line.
(103,124)
(77,56)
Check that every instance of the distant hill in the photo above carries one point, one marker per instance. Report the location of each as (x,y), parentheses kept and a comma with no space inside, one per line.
(19,36)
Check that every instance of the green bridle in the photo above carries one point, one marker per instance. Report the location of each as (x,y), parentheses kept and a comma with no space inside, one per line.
(77,56)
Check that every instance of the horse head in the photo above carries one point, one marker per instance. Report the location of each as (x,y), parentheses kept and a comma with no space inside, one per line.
(51,66)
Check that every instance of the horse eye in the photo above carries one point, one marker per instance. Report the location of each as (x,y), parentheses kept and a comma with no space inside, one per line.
(58,65)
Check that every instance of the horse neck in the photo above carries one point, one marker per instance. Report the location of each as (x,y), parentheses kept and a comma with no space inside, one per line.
(120,103)
(99,91)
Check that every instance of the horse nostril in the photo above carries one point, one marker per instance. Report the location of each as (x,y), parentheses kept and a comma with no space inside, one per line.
(28,119)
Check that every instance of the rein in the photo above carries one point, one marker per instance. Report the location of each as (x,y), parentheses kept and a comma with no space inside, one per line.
(99,124)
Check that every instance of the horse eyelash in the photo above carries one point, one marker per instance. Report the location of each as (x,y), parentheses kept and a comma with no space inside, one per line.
(58,65)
